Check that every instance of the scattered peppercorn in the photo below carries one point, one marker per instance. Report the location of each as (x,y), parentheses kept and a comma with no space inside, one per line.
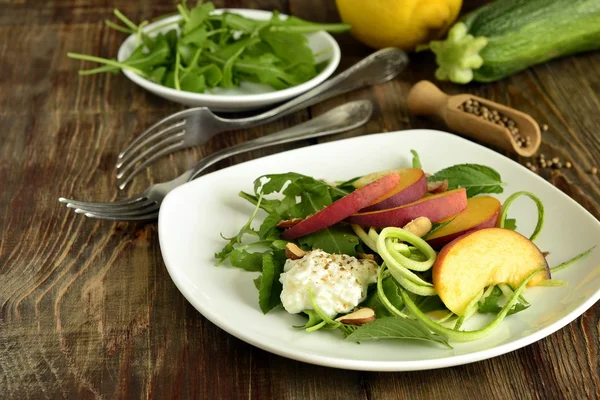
(544,127)
(554,162)
(594,171)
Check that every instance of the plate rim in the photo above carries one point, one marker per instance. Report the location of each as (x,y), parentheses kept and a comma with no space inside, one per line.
(380,366)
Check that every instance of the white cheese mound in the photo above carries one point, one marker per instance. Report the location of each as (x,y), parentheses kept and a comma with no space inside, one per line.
(339,282)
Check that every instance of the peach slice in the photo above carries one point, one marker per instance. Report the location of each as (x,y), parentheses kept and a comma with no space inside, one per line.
(373,176)
(481,212)
(476,260)
(343,207)
(435,207)
(412,187)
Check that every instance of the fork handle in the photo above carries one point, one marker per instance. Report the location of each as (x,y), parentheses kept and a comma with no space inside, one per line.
(342,118)
(379,67)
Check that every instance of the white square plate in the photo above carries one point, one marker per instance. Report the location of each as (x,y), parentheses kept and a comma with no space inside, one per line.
(193,216)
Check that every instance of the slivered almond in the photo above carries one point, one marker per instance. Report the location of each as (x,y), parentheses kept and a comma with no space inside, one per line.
(437,186)
(365,256)
(419,226)
(294,252)
(358,317)
(288,223)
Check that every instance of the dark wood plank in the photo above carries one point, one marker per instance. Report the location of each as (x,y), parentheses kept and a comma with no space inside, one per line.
(87,309)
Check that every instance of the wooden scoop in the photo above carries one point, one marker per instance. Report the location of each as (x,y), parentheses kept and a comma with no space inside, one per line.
(427,99)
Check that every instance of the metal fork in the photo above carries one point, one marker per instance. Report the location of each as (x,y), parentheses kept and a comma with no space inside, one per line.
(145,206)
(196,126)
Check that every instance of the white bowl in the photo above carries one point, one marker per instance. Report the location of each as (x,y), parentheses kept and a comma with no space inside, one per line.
(249,96)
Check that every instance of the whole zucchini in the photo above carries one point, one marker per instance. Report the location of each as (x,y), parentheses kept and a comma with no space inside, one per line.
(508,36)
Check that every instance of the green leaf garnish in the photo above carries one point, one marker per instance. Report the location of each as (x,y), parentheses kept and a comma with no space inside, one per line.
(395,328)
(269,286)
(510,223)
(490,304)
(386,295)
(416,161)
(477,179)
(435,226)
(245,260)
(237,239)
(273,52)
(334,240)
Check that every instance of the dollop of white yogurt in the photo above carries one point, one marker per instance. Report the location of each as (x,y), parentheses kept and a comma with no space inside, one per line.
(339,282)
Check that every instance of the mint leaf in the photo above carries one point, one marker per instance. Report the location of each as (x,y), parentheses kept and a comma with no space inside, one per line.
(510,223)
(475,178)
(269,286)
(257,282)
(416,161)
(395,328)
(334,240)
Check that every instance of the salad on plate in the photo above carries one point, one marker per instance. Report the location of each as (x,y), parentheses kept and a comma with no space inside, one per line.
(395,254)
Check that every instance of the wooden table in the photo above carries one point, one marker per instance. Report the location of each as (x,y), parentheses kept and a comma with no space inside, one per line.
(87,307)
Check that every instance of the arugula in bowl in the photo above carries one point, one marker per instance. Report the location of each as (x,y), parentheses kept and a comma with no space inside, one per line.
(201,48)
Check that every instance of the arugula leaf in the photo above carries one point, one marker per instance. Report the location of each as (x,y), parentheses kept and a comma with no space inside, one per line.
(347,186)
(416,161)
(314,194)
(282,57)
(313,319)
(490,304)
(510,223)
(475,178)
(266,204)
(246,260)
(395,328)
(295,24)
(279,244)
(430,303)
(437,226)
(390,288)
(334,240)
(268,228)
(197,16)
(269,286)
(237,239)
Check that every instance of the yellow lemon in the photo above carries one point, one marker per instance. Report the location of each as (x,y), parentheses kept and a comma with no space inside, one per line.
(398,23)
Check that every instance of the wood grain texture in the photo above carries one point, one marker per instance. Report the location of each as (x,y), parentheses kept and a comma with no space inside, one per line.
(87,309)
